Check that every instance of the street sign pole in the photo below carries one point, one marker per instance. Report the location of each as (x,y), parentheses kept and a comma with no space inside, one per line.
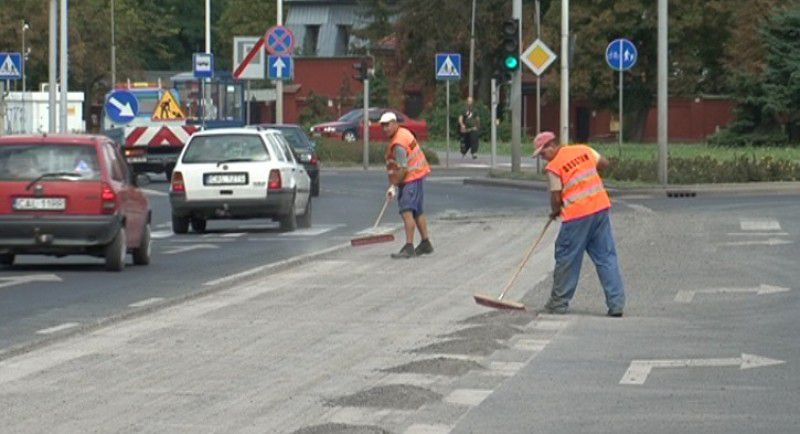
(516,98)
(620,98)
(447,123)
(493,129)
(662,92)
(279,84)
(366,122)
(538,85)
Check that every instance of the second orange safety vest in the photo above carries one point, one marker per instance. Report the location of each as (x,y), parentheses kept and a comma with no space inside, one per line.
(418,166)
(582,191)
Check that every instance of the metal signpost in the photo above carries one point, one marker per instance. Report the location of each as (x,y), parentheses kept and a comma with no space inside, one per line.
(122,106)
(280,42)
(537,57)
(448,68)
(10,69)
(621,55)
(203,68)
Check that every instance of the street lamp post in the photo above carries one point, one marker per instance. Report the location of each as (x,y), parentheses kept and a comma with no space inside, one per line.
(113,51)
(25,28)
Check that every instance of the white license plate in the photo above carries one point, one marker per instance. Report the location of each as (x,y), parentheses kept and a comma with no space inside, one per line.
(231,179)
(40,204)
(137,159)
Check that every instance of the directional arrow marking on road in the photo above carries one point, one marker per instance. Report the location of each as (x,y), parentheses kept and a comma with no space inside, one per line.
(184,249)
(639,369)
(769,242)
(125,110)
(686,296)
(20,280)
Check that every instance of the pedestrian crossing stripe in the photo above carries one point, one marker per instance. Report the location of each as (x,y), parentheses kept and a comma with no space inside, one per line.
(448,69)
(8,68)
(168,109)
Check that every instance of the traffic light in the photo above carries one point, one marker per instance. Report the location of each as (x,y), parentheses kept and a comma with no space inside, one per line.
(361,67)
(509,50)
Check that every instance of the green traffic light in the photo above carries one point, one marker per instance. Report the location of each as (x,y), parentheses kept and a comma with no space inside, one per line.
(511,62)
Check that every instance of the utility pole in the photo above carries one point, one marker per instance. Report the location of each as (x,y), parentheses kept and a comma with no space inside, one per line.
(279,83)
(516,96)
(538,84)
(51,127)
(564,72)
(471,53)
(64,57)
(25,28)
(662,92)
(113,50)
(366,120)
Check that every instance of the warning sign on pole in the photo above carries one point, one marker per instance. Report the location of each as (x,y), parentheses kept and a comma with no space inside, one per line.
(168,109)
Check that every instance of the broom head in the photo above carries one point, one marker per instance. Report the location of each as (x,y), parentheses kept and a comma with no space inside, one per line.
(494,302)
(371,239)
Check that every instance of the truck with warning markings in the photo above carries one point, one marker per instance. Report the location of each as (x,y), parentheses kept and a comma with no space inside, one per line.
(153,121)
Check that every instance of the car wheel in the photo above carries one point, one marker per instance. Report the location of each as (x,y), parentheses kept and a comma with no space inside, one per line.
(116,251)
(315,187)
(199,225)
(304,221)
(141,254)
(289,221)
(349,136)
(6,259)
(180,225)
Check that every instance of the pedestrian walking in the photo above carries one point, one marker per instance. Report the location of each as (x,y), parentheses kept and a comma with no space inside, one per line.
(577,195)
(407,168)
(469,126)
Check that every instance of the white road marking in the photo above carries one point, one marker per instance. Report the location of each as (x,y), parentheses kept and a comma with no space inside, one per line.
(469,397)
(234,235)
(160,235)
(686,296)
(639,370)
(382,229)
(757,234)
(164,225)
(640,208)
(769,242)
(20,280)
(154,192)
(184,249)
(531,344)
(146,302)
(58,328)
(312,232)
(504,369)
(760,225)
(428,429)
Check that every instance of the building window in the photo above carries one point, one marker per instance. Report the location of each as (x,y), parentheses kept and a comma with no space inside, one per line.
(342,40)
(310,41)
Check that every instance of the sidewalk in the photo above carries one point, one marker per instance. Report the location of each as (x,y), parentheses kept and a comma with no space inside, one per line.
(353,338)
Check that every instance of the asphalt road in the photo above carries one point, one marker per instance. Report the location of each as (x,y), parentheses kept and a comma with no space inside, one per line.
(45,297)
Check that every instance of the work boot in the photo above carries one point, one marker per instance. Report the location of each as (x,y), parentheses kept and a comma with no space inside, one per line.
(425,247)
(615,313)
(555,307)
(406,252)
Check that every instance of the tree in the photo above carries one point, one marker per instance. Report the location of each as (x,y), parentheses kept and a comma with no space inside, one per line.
(241,18)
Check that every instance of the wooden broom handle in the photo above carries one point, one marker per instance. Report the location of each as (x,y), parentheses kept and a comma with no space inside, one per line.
(380,216)
(525,261)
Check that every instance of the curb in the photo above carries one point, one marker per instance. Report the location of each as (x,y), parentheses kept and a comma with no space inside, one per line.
(689,190)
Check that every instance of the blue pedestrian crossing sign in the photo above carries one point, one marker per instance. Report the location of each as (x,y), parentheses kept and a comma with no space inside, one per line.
(10,66)
(621,54)
(448,66)
(280,67)
(122,106)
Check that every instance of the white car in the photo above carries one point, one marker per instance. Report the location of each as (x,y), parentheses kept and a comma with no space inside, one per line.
(239,173)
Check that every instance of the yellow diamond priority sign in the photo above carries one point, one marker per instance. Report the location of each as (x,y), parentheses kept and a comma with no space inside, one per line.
(538,57)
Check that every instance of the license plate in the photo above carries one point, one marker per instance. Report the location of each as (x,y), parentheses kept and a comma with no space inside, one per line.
(40,204)
(137,159)
(226,179)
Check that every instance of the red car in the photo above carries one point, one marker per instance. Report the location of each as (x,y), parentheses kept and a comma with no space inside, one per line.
(349,126)
(70,194)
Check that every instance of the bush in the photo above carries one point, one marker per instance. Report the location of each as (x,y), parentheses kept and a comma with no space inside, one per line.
(340,152)
(705,169)
(730,138)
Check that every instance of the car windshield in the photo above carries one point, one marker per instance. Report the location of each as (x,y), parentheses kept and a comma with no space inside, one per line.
(295,139)
(225,147)
(351,116)
(26,162)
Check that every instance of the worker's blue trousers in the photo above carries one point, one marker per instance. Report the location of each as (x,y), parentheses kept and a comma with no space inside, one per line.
(593,235)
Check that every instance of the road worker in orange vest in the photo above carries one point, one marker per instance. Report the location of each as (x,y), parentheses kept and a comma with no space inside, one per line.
(577,195)
(407,168)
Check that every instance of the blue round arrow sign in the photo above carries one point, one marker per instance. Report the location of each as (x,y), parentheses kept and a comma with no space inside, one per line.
(621,54)
(122,106)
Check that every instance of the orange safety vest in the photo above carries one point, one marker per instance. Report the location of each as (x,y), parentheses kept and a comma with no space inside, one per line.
(582,191)
(418,167)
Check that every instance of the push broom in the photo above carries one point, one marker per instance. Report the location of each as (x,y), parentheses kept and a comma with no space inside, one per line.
(373,239)
(499,303)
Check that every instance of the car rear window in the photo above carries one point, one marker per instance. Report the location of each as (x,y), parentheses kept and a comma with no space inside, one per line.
(216,148)
(23,162)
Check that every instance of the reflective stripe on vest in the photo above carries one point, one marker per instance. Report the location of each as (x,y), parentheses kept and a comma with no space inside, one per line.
(417,167)
(582,193)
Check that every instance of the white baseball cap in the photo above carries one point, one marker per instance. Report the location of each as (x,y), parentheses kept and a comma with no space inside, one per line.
(388,117)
